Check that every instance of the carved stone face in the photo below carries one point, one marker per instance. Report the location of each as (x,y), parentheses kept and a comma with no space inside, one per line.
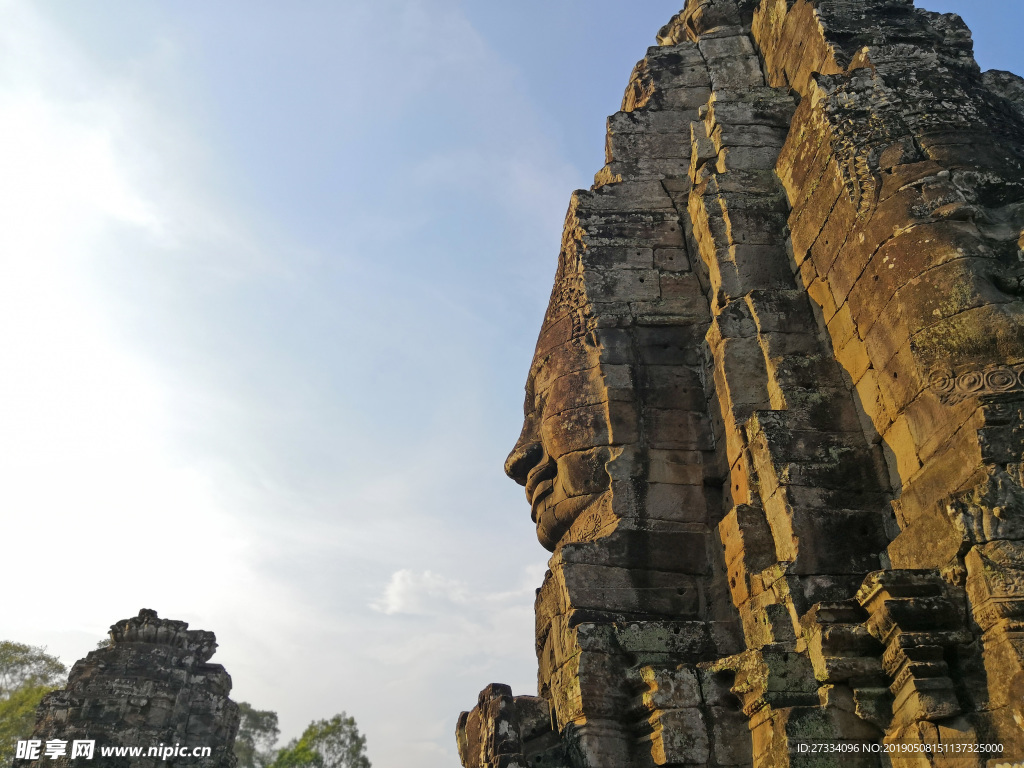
(560,456)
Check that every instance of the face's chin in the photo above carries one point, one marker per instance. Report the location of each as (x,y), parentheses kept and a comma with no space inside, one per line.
(560,492)
(555,513)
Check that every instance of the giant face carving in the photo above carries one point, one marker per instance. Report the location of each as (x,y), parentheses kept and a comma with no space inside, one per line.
(561,455)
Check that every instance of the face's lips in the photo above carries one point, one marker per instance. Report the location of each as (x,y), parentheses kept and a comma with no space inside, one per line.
(541,474)
(541,492)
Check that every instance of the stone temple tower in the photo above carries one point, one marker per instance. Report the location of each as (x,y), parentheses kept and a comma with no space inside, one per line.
(774,426)
(151,687)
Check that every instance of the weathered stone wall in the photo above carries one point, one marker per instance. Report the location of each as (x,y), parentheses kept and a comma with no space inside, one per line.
(775,422)
(152,686)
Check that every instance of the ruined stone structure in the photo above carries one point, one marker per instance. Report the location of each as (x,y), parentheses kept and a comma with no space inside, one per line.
(151,686)
(775,421)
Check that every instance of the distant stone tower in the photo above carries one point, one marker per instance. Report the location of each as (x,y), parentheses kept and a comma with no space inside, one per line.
(774,424)
(151,687)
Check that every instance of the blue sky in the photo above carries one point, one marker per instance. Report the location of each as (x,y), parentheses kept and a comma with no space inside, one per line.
(270,280)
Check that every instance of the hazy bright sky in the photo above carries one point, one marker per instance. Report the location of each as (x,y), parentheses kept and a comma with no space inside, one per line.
(270,279)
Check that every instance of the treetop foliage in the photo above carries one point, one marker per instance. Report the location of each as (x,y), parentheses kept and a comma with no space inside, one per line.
(27,673)
(334,743)
(27,666)
(257,735)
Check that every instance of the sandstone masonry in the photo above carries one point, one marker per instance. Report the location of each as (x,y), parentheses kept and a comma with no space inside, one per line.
(151,686)
(774,426)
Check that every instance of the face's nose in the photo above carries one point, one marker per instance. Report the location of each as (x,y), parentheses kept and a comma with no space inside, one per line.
(528,451)
(524,457)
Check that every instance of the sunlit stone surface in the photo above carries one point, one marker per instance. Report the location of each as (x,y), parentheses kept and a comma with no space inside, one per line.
(774,426)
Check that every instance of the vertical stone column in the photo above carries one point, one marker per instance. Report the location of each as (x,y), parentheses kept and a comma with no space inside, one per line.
(807,496)
(632,597)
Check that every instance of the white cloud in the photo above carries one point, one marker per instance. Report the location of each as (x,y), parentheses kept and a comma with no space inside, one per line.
(424,593)
(453,619)
(442,639)
(421,593)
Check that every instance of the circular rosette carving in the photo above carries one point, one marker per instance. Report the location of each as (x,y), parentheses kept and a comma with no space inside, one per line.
(971,383)
(1001,380)
(942,383)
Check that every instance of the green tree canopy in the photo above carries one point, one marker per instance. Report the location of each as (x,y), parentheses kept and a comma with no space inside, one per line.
(18,718)
(27,673)
(27,666)
(334,743)
(257,735)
